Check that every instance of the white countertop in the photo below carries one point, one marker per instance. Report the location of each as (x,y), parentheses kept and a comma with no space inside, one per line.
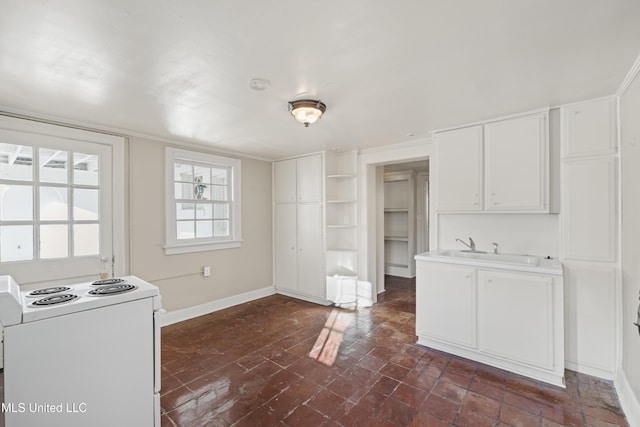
(514,262)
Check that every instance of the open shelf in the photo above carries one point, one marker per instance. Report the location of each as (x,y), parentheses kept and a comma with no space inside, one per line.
(341,176)
(399,223)
(341,225)
(396,265)
(397,238)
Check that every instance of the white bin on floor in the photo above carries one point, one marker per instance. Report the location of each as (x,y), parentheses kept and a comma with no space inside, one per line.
(342,287)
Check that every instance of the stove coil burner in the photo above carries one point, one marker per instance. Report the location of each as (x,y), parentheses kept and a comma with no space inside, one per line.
(112,281)
(112,289)
(48,291)
(54,299)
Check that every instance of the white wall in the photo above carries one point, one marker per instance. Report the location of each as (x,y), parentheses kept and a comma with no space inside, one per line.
(533,234)
(179,277)
(630,233)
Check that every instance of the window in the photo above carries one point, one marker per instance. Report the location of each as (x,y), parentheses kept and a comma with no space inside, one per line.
(203,202)
(56,202)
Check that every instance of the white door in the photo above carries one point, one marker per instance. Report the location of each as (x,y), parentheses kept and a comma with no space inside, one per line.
(285,252)
(56,204)
(311,277)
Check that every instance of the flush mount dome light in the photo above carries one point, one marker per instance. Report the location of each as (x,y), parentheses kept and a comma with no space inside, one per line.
(307,111)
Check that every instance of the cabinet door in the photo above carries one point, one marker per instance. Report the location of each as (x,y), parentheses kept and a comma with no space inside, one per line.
(515,164)
(285,181)
(590,310)
(311,277)
(589,128)
(459,169)
(285,252)
(309,178)
(446,303)
(589,209)
(515,317)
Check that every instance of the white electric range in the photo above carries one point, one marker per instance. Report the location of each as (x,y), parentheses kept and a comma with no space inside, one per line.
(83,354)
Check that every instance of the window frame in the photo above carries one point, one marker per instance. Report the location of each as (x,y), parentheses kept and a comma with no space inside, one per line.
(173,245)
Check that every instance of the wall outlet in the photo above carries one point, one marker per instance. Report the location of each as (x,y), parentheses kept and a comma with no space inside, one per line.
(206,271)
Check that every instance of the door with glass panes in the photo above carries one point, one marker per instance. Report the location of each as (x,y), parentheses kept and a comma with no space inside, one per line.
(55,207)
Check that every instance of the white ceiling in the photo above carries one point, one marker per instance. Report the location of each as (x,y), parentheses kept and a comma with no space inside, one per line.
(180,70)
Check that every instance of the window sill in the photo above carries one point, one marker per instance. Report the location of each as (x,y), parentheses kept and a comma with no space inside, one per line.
(185,248)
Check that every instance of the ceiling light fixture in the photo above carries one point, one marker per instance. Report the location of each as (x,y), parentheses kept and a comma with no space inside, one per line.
(307,111)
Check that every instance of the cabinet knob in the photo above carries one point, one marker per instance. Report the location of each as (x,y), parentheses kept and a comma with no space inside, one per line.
(467,276)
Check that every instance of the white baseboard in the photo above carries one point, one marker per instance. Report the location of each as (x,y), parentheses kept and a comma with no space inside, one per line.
(589,370)
(172,317)
(304,297)
(628,399)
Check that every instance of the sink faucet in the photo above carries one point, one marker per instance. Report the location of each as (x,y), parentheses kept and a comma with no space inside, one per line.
(471,245)
(495,247)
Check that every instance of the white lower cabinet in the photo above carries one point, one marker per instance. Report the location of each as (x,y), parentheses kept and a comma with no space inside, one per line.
(590,295)
(446,296)
(515,317)
(509,319)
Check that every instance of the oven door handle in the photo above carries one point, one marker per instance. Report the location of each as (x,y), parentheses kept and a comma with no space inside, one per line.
(157,350)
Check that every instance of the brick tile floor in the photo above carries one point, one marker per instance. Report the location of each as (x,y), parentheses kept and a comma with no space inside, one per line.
(279,361)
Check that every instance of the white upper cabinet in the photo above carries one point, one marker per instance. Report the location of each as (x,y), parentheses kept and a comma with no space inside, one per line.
(285,181)
(498,166)
(589,128)
(310,176)
(298,180)
(515,164)
(459,170)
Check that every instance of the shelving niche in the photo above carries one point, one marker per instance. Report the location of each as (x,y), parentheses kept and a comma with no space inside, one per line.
(399,223)
(341,186)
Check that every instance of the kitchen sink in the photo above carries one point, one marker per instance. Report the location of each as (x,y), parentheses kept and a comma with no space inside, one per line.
(497,258)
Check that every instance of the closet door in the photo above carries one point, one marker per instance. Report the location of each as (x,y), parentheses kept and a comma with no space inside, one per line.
(285,252)
(311,277)
(285,181)
(309,178)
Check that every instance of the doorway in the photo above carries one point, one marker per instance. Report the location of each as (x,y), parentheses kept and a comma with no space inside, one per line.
(405,215)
